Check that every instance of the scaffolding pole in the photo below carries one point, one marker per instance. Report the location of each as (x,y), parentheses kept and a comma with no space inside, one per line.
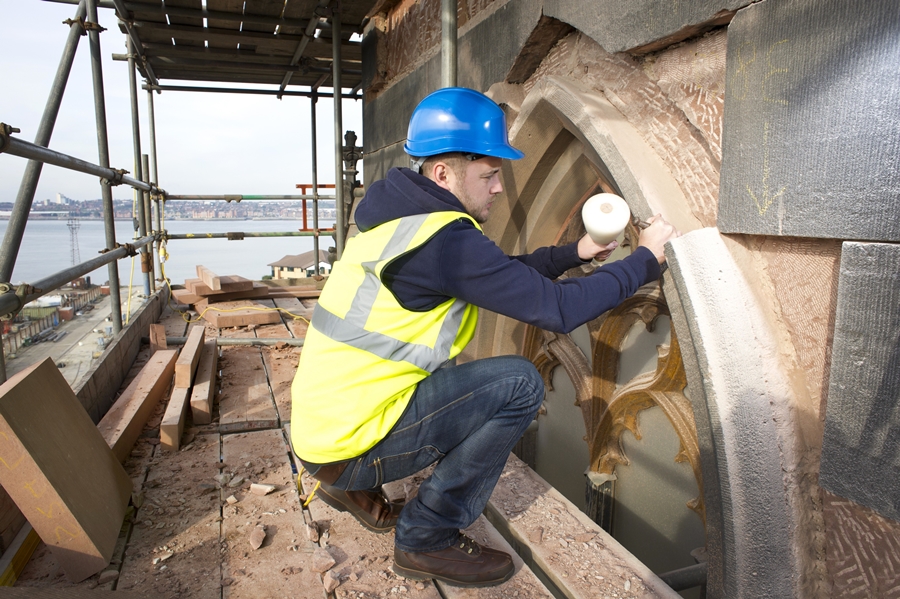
(338,132)
(24,149)
(448,43)
(146,227)
(15,229)
(315,182)
(154,179)
(241,235)
(236,90)
(139,172)
(18,219)
(103,150)
(11,301)
(239,197)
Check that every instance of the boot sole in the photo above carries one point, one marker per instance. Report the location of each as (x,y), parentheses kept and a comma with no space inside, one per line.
(339,506)
(466,584)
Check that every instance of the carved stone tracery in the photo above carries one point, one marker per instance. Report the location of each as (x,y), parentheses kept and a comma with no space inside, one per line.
(609,411)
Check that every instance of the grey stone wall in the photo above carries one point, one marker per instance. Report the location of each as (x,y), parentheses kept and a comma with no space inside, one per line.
(811,135)
(861,449)
(642,24)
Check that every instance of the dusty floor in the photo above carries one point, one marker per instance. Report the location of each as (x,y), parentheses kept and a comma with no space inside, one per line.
(196,528)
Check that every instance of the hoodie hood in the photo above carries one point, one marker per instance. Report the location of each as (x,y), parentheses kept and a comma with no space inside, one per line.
(402,193)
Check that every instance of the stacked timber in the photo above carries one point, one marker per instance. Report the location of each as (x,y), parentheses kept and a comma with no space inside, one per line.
(233,301)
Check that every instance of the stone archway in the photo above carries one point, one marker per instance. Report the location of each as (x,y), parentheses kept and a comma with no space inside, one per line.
(576,141)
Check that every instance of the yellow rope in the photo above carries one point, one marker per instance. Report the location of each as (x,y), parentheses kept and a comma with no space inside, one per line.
(134,235)
(300,488)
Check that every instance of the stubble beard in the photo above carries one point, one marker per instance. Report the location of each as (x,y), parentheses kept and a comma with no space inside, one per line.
(469,204)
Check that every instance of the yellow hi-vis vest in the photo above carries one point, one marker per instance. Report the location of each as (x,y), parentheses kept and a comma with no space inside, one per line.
(364,353)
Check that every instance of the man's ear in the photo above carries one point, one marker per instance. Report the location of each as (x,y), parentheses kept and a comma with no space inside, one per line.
(442,174)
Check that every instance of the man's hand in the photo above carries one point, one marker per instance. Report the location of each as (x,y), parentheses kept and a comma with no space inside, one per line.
(657,235)
(587,249)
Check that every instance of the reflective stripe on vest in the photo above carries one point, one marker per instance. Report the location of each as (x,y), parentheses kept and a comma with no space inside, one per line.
(351,330)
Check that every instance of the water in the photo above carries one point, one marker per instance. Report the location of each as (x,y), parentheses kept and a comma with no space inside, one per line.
(46,249)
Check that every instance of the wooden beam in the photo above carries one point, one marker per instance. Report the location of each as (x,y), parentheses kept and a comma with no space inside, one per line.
(186,365)
(124,421)
(236,314)
(157,337)
(185,297)
(59,471)
(209,278)
(172,426)
(205,384)
(233,288)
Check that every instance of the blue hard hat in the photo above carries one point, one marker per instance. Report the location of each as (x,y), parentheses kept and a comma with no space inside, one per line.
(458,119)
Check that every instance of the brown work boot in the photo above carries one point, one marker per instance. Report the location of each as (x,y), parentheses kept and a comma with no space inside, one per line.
(463,564)
(370,508)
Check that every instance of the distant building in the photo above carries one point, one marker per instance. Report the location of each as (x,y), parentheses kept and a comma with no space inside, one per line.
(301,265)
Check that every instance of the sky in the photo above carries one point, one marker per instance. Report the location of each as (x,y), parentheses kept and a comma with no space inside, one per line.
(206,143)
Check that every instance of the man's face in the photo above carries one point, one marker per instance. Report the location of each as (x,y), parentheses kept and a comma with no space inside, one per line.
(480,184)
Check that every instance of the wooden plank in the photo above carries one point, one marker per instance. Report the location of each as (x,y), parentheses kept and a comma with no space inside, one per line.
(186,364)
(174,322)
(282,566)
(295,315)
(185,297)
(172,426)
(299,292)
(245,402)
(157,337)
(205,384)
(209,278)
(122,424)
(276,330)
(236,314)
(178,519)
(16,556)
(245,290)
(59,471)
(228,284)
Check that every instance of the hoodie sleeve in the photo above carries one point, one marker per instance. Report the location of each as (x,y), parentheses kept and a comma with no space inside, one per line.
(552,261)
(473,268)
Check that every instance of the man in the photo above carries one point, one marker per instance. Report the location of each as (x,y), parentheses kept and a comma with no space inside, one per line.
(374,391)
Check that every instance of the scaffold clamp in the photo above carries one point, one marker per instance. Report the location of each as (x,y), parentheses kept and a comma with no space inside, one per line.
(5,132)
(21,292)
(117,179)
(78,21)
(91,26)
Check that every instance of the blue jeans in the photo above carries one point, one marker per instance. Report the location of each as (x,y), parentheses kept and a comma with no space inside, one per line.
(467,418)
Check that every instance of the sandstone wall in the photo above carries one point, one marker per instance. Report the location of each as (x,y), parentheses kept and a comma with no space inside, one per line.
(669,86)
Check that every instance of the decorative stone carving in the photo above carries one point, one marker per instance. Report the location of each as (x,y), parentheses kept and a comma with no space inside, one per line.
(609,412)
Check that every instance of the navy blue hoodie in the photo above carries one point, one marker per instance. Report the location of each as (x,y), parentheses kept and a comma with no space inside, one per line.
(461,262)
